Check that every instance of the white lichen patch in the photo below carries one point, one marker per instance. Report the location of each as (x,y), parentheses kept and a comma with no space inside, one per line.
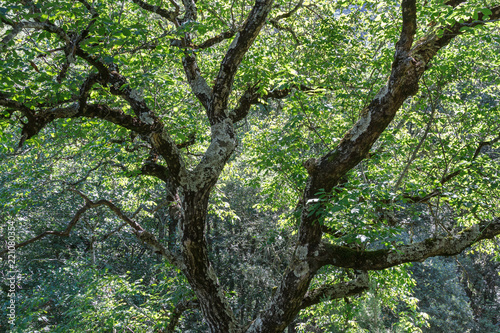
(200,86)
(301,252)
(180,230)
(361,126)
(69,111)
(136,95)
(382,92)
(213,277)
(301,269)
(158,140)
(146,118)
(234,42)
(257,325)
(393,257)
(222,145)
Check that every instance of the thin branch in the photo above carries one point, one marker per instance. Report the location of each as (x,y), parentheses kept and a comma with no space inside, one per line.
(185,44)
(484,144)
(47,26)
(290,13)
(140,233)
(279,26)
(454,3)
(189,142)
(64,233)
(137,211)
(251,97)
(445,179)
(111,206)
(274,21)
(311,125)
(419,145)
(70,48)
(169,15)
(332,232)
(148,45)
(112,232)
(84,177)
(427,47)
(89,7)
(215,40)
(335,291)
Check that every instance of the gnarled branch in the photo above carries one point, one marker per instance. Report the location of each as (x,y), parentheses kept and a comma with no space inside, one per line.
(341,256)
(251,97)
(142,234)
(64,233)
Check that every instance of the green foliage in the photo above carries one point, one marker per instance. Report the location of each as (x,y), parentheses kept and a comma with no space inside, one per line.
(70,297)
(442,296)
(388,306)
(101,278)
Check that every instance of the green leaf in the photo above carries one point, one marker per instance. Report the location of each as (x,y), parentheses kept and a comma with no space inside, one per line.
(486,11)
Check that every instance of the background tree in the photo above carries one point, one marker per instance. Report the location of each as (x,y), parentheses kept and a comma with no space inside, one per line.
(314,105)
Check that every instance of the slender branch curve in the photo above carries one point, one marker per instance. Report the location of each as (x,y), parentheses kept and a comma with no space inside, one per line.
(251,97)
(169,15)
(177,312)
(141,234)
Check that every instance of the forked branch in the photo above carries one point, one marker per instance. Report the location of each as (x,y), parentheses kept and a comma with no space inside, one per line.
(167,14)
(234,55)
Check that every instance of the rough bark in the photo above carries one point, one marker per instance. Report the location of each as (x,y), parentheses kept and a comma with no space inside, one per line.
(189,190)
(341,256)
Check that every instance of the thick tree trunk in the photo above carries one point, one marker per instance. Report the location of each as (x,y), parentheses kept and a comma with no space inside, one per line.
(198,270)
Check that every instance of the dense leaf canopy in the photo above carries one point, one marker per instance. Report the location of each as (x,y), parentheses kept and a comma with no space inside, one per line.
(273,156)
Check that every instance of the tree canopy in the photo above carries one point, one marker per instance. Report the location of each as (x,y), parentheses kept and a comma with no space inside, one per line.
(330,142)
